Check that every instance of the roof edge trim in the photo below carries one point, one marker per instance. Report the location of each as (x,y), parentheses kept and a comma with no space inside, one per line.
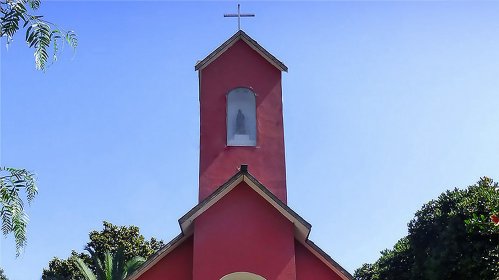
(156,257)
(241,35)
(328,260)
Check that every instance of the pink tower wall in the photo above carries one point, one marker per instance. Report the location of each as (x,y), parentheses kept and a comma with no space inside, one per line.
(243,232)
(241,66)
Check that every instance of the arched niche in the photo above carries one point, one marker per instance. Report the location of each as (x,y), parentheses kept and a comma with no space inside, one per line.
(242,276)
(241,117)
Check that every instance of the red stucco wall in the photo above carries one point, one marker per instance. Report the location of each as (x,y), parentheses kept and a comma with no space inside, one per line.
(176,265)
(241,66)
(310,267)
(243,232)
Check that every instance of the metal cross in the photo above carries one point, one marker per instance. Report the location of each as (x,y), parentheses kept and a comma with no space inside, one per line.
(239,15)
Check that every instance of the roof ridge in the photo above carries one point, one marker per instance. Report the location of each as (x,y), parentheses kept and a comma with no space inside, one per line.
(240,35)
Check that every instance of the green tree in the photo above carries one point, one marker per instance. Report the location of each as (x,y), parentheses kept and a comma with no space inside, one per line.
(452,237)
(2,275)
(110,239)
(15,184)
(65,269)
(110,267)
(40,34)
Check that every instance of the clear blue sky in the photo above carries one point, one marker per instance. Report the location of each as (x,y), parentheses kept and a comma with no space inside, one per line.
(386,105)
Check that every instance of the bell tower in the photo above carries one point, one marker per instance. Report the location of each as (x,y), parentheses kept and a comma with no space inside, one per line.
(242,227)
(241,121)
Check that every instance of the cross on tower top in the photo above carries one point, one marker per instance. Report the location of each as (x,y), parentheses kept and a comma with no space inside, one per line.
(239,15)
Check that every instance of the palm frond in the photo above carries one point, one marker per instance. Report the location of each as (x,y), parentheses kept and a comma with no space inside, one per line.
(98,264)
(132,265)
(85,270)
(118,264)
(108,266)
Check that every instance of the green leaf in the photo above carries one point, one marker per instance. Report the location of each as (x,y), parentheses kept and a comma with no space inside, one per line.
(14,219)
(38,33)
(85,270)
(133,265)
(34,4)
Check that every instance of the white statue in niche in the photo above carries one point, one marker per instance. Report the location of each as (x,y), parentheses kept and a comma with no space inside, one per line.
(240,125)
(241,136)
(241,117)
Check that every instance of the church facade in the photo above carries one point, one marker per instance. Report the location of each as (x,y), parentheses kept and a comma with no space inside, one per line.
(242,228)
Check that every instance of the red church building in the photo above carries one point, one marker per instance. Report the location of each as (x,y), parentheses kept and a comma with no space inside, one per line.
(242,228)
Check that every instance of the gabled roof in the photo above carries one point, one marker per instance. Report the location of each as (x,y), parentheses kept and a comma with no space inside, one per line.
(240,35)
(302,227)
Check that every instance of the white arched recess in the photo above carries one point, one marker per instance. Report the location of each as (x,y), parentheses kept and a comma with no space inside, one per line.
(242,276)
(241,117)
